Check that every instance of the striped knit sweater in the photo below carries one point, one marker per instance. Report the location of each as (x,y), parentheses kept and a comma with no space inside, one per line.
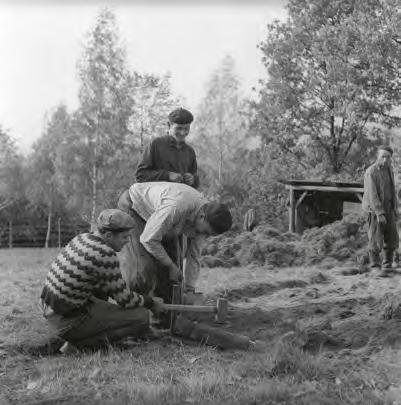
(87,268)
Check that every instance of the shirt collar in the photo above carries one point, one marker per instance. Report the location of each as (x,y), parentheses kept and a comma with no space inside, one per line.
(173,143)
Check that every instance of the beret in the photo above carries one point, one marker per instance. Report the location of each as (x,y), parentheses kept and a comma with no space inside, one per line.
(114,220)
(387,148)
(218,216)
(180,116)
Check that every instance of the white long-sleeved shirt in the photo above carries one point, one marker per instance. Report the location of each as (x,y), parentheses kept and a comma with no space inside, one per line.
(169,209)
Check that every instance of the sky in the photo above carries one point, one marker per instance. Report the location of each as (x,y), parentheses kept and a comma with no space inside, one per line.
(41,42)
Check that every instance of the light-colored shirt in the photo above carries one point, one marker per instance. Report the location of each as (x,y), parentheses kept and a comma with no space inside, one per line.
(169,209)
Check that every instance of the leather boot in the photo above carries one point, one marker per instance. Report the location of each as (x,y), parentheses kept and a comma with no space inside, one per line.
(387,265)
(387,259)
(374,259)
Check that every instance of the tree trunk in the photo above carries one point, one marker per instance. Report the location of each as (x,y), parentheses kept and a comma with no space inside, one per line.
(94,183)
(94,195)
(220,165)
(141,137)
(49,223)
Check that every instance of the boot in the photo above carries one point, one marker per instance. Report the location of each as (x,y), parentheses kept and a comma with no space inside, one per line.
(387,259)
(387,265)
(374,259)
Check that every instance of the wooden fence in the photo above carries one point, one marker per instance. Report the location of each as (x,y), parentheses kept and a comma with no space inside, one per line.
(27,235)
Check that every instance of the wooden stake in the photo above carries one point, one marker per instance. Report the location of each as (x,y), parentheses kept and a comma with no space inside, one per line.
(176,299)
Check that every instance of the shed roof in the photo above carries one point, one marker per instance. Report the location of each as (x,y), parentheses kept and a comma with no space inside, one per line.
(320,184)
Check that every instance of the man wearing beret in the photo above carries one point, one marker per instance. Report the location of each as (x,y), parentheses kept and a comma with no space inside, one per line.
(380,202)
(81,279)
(170,158)
(163,212)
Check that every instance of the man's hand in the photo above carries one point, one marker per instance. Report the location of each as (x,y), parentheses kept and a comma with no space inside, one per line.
(189,179)
(382,219)
(175,177)
(158,306)
(175,274)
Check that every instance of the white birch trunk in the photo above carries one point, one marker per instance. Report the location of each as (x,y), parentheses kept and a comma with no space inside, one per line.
(49,223)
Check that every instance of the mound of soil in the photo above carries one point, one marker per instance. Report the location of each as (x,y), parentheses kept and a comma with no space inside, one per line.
(339,240)
(265,245)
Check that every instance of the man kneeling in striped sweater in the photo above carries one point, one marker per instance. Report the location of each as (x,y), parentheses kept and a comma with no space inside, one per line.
(82,278)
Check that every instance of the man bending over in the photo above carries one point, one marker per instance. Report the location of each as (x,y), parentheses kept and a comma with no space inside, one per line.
(163,212)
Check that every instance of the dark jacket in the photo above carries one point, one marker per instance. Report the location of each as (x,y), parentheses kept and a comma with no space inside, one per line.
(162,156)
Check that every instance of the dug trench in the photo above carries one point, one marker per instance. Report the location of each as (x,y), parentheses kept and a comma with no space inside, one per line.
(315,317)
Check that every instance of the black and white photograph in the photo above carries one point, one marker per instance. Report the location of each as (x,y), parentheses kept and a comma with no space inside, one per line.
(199,202)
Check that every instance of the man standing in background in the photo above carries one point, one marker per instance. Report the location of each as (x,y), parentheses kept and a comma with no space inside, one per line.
(170,158)
(380,202)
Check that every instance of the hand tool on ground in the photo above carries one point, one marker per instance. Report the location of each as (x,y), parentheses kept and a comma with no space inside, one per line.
(220,309)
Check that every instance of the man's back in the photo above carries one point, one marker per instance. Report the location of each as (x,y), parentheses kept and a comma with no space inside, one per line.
(147,198)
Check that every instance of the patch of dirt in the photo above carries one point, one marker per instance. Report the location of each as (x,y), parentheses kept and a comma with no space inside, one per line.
(350,319)
(260,289)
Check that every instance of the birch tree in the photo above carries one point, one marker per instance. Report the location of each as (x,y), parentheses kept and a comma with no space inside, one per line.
(93,159)
(43,188)
(11,182)
(219,126)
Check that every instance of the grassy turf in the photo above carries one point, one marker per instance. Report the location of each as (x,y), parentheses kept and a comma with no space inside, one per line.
(171,372)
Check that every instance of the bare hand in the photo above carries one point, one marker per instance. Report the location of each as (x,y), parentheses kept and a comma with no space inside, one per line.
(175,273)
(175,177)
(189,179)
(158,305)
(382,219)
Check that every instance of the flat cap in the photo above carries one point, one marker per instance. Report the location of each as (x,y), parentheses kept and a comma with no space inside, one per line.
(180,116)
(114,220)
(387,148)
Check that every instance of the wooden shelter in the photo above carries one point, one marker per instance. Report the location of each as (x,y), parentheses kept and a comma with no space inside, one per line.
(317,203)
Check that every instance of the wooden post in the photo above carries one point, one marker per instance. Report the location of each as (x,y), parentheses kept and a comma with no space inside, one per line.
(222,307)
(292,211)
(176,299)
(10,234)
(59,232)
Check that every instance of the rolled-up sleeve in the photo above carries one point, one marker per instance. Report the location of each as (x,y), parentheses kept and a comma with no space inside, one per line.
(160,223)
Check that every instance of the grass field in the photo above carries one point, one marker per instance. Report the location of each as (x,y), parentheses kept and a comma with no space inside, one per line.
(322,334)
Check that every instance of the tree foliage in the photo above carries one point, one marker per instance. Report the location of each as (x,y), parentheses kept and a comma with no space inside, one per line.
(11,175)
(220,126)
(333,80)
(153,102)
(97,154)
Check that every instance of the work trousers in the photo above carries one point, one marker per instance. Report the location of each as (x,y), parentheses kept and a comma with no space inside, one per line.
(100,323)
(382,236)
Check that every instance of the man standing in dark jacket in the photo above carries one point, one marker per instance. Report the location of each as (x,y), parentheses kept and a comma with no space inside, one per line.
(170,158)
(380,202)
